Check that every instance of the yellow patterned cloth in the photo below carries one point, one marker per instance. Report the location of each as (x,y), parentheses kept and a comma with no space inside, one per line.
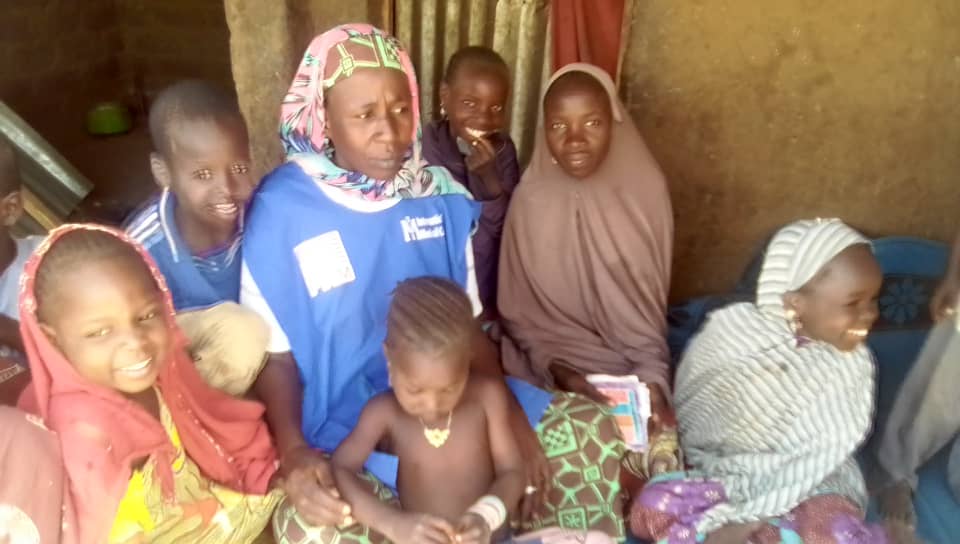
(202,512)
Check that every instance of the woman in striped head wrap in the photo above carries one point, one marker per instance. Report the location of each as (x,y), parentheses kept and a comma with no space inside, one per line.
(772,400)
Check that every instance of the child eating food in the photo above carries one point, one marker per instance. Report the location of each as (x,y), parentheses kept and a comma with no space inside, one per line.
(471,142)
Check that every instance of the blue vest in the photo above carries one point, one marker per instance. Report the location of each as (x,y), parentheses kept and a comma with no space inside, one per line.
(327,272)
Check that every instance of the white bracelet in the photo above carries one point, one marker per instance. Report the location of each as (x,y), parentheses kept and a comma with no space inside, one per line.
(491,509)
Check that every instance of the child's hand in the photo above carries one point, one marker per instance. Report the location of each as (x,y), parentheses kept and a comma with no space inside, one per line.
(409,528)
(472,529)
(482,162)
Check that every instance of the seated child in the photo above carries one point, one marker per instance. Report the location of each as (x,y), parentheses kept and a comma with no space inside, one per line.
(925,417)
(151,452)
(773,399)
(471,141)
(193,230)
(201,161)
(13,255)
(460,471)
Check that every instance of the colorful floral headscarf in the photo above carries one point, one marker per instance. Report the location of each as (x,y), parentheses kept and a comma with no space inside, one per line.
(303,117)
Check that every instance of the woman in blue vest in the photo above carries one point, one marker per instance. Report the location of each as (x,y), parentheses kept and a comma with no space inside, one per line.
(328,236)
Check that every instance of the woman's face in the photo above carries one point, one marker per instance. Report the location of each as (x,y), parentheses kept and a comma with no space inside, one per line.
(370,121)
(578,123)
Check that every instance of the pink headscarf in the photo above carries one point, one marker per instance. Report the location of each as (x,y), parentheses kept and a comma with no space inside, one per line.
(333,56)
(102,432)
(585,264)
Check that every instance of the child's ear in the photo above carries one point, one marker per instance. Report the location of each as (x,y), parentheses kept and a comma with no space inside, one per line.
(11,209)
(161,172)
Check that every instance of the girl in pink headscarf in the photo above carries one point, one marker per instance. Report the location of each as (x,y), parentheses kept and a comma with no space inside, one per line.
(150,451)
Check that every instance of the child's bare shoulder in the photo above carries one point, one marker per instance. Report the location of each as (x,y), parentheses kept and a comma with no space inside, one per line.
(487,389)
(383,407)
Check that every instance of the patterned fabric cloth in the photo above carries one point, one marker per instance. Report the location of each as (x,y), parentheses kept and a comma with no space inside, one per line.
(373,50)
(201,511)
(303,115)
(671,500)
(584,448)
(770,418)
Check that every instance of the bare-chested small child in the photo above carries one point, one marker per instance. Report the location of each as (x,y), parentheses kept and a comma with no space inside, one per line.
(460,470)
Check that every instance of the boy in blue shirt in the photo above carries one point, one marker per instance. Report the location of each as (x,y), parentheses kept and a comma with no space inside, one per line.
(201,161)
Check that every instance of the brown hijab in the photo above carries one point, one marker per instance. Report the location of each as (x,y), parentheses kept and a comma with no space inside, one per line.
(585,264)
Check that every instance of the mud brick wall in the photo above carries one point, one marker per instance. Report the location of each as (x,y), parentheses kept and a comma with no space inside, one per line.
(765,112)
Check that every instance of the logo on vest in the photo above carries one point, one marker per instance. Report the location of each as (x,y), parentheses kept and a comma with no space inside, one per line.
(416,229)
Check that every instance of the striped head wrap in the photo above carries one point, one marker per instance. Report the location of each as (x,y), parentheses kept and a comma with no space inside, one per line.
(796,253)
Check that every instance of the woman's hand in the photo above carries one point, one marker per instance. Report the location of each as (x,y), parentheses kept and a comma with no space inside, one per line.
(661,413)
(536,467)
(307,478)
(413,528)
(664,445)
(572,381)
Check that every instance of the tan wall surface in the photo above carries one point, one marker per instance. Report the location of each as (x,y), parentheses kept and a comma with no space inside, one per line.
(267,41)
(765,112)
(168,40)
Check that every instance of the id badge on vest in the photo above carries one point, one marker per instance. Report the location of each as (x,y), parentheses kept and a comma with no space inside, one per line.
(324,263)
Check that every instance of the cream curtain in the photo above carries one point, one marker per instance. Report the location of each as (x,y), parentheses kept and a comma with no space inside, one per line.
(433,30)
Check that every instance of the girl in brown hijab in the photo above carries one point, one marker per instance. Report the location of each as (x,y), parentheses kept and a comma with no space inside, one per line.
(587,247)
